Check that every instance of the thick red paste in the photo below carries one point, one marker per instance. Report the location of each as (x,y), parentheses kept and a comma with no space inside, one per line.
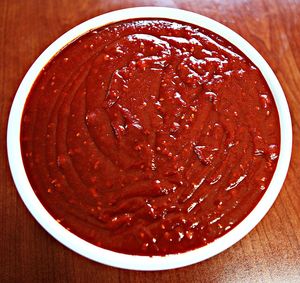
(150,137)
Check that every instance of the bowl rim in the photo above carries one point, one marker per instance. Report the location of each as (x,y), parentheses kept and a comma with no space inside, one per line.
(135,262)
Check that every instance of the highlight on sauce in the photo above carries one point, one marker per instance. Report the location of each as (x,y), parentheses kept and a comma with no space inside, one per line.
(150,137)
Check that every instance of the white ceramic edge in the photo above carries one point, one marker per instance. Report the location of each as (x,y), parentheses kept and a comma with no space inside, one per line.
(144,262)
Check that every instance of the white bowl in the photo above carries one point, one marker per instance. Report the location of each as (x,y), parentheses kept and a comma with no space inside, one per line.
(145,262)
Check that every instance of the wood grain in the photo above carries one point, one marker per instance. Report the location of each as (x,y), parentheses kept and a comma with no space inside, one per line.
(270,253)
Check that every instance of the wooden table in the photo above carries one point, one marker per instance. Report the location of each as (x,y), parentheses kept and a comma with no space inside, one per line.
(270,253)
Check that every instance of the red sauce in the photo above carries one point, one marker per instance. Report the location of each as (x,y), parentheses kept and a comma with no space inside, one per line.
(150,137)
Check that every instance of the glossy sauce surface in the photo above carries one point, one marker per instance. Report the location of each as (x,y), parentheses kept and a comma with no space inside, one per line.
(150,137)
